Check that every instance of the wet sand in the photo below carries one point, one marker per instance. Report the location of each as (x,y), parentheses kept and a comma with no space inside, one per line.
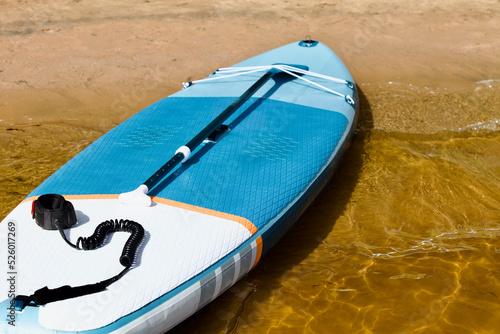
(429,77)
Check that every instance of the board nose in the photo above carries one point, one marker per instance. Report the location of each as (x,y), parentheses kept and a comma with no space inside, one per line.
(308,43)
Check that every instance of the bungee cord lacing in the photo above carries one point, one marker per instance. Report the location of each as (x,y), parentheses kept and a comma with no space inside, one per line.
(228,72)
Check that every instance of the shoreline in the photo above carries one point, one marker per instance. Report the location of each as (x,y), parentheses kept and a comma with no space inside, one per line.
(393,107)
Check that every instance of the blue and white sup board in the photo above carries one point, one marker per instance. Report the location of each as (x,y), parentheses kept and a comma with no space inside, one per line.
(208,220)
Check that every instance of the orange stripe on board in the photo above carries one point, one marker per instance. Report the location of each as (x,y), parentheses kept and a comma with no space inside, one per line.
(259,251)
(30,199)
(240,220)
(111,196)
(76,197)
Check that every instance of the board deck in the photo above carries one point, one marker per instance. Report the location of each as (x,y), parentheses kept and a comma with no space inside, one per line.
(211,219)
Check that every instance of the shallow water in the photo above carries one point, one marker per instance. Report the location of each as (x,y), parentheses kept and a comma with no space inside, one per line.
(405,237)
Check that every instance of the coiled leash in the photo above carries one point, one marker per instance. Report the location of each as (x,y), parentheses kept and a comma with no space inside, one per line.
(54,212)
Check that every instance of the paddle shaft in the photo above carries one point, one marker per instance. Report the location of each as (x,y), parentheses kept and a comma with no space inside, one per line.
(207,131)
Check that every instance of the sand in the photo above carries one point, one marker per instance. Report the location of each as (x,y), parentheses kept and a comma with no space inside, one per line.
(100,62)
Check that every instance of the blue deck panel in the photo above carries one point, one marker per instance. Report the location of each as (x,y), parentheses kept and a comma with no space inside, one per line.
(271,153)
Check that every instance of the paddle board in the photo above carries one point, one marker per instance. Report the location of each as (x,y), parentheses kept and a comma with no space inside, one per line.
(207,217)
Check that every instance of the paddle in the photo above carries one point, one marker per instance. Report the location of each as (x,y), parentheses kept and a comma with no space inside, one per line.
(139,197)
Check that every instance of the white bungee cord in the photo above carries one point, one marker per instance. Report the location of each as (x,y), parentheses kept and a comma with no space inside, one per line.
(291,70)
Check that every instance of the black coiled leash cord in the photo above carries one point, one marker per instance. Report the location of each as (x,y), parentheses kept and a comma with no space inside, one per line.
(105,228)
(53,219)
